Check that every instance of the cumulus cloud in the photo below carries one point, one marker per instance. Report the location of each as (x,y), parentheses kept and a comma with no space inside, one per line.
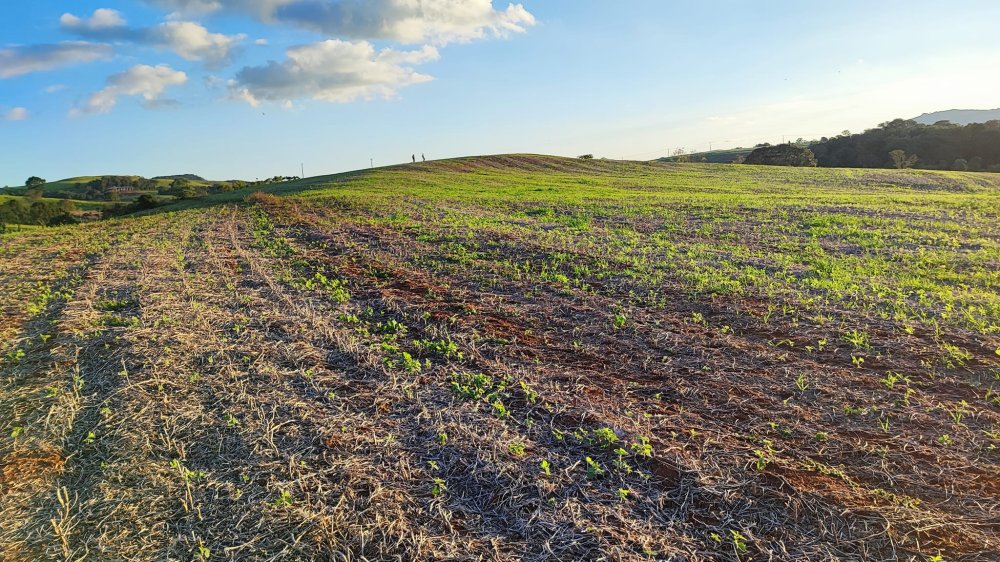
(189,40)
(408,21)
(334,71)
(193,42)
(102,19)
(15,61)
(15,114)
(141,80)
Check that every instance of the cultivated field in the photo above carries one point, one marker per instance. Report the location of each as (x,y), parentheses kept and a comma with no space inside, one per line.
(515,357)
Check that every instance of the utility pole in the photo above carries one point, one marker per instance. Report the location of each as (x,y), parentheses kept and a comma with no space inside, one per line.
(303,167)
(371,163)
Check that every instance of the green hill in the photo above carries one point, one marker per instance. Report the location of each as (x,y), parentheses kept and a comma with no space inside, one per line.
(77,184)
(714,156)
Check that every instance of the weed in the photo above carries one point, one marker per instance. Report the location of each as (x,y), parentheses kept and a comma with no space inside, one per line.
(284,499)
(444,348)
(439,487)
(529,395)
(641,447)
(604,437)
(594,469)
(472,386)
(891,378)
(619,321)
(409,364)
(801,383)
(187,474)
(859,340)
(739,542)
(499,410)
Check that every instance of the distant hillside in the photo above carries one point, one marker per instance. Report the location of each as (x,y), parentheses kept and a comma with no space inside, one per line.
(191,177)
(714,156)
(959,116)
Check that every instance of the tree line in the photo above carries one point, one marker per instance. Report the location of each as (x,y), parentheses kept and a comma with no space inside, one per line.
(904,143)
(25,210)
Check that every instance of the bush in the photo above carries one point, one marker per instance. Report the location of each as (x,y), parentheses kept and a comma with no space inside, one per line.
(782,155)
(586,157)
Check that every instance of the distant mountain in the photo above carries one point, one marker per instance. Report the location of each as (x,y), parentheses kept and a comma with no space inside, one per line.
(959,116)
(191,177)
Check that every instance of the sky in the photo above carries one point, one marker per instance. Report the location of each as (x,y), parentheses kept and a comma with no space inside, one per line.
(246,89)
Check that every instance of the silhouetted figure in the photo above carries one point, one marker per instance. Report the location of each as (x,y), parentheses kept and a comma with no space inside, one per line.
(414,156)
(422,157)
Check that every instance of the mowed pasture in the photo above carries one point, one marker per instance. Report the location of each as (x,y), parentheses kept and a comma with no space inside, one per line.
(513,357)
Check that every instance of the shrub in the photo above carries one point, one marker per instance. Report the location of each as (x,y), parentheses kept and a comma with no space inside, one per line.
(782,155)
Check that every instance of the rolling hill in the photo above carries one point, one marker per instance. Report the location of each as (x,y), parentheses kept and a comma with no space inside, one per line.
(713,156)
(959,116)
(512,357)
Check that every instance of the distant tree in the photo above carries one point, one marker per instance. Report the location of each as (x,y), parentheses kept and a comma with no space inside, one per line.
(782,155)
(740,159)
(586,157)
(182,189)
(144,202)
(34,181)
(901,160)
(680,156)
(960,165)
(976,163)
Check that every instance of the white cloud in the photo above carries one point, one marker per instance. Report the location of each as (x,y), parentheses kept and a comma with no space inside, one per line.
(334,71)
(15,114)
(260,42)
(189,40)
(142,80)
(193,42)
(408,21)
(15,61)
(102,19)
(55,88)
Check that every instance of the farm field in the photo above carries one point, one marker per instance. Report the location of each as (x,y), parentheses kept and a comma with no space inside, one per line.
(512,357)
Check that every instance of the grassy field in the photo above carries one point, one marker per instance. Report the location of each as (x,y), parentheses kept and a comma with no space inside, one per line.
(513,357)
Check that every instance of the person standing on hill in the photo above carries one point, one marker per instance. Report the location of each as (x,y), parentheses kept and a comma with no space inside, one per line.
(422,157)
(414,156)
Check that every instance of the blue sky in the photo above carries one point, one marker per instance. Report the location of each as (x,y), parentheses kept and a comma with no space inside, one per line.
(254,88)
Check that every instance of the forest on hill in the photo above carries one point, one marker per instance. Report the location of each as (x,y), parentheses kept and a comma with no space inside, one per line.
(941,146)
